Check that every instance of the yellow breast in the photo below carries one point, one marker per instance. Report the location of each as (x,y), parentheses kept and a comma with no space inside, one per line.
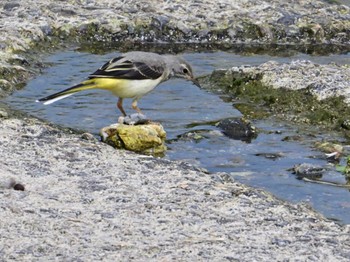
(125,88)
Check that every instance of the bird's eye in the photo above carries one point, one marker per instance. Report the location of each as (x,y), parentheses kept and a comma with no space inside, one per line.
(185,71)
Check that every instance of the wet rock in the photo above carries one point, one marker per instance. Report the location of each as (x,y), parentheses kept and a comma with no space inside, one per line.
(12,77)
(293,138)
(309,171)
(300,91)
(195,135)
(148,139)
(329,147)
(271,156)
(239,129)
(323,81)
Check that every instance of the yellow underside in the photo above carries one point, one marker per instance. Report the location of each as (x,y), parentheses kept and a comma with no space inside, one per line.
(123,88)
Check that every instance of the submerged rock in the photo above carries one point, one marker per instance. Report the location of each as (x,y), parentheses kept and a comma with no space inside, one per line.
(239,129)
(329,147)
(147,139)
(309,171)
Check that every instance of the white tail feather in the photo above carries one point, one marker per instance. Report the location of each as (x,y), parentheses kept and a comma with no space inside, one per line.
(54,99)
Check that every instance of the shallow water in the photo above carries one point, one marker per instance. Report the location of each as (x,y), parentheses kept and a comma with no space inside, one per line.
(178,104)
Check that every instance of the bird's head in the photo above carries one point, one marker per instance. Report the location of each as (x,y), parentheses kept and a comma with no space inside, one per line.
(182,69)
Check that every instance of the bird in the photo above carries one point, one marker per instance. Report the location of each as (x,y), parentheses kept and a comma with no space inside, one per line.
(131,75)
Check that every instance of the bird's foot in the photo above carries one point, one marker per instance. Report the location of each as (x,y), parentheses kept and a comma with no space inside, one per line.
(134,119)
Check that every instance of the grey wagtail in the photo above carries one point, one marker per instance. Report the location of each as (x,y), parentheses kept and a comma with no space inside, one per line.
(131,75)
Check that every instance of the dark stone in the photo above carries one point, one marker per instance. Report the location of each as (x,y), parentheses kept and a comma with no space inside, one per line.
(272,156)
(18,187)
(308,171)
(238,129)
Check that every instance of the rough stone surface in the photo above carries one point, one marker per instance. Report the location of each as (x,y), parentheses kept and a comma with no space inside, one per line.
(323,81)
(147,138)
(27,23)
(85,201)
(205,20)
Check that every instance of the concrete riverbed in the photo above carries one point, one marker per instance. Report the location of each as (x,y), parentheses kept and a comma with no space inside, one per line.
(85,201)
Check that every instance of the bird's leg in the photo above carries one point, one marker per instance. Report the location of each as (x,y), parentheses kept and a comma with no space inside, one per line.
(120,106)
(135,107)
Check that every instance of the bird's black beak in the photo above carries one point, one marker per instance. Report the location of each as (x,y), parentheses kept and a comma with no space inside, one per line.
(195,82)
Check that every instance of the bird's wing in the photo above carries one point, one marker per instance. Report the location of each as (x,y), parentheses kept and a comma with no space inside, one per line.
(122,68)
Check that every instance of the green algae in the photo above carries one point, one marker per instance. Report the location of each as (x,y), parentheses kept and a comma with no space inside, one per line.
(12,78)
(256,100)
(146,139)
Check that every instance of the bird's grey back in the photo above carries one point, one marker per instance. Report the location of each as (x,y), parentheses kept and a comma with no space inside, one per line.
(151,59)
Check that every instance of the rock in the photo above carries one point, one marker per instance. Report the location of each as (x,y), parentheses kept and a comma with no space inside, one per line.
(193,135)
(323,81)
(306,170)
(301,91)
(147,139)
(134,119)
(19,187)
(329,147)
(272,156)
(239,129)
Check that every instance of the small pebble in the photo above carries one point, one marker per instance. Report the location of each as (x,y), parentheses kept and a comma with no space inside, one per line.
(88,136)
(18,187)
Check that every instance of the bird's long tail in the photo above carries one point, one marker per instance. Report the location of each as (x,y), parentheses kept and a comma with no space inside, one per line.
(88,84)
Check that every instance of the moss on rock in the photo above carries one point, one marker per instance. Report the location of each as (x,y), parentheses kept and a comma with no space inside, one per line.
(257,100)
(147,139)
